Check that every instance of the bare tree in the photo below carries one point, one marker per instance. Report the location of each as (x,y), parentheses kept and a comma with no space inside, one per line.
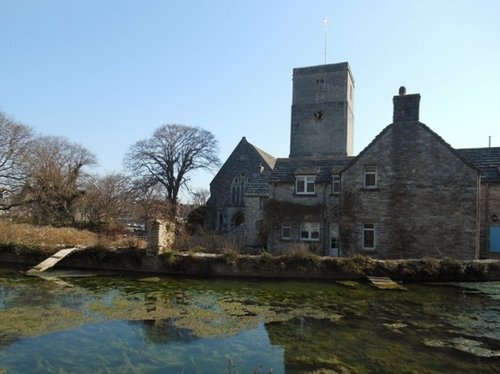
(107,200)
(15,140)
(170,155)
(54,171)
(151,201)
(200,196)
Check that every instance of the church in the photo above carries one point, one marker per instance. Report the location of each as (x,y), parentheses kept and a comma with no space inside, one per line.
(408,194)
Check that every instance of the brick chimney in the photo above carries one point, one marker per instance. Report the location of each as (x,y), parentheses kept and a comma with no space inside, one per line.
(406,107)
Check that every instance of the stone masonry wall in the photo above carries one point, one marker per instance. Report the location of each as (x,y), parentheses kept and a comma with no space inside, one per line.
(160,235)
(324,211)
(253,227)
(425,202)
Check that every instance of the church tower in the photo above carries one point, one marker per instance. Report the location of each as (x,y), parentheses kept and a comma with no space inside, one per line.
(322,111)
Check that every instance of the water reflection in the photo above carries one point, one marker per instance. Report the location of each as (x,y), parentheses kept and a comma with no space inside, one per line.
(110,323)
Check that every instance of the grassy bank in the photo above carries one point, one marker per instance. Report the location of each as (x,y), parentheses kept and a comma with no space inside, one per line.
(49,239)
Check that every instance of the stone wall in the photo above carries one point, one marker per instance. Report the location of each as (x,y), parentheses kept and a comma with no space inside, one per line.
(137,260)
(254,230)
(425,202)
(322,208)
(160,235)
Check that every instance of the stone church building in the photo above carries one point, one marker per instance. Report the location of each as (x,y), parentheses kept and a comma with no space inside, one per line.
(408,194)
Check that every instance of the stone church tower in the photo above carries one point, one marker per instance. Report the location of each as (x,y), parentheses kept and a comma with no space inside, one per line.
(322,111)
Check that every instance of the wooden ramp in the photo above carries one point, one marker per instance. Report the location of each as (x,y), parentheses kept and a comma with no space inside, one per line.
(384,283)
(52,260)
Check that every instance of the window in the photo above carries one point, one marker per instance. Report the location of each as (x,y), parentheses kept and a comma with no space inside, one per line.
(368,236)
(309,231)
(238,188)
(286,231)
(221,219)
(336,184)
(370,180)
(304,184)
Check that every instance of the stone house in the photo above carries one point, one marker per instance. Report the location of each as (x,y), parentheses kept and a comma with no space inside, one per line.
(408,194)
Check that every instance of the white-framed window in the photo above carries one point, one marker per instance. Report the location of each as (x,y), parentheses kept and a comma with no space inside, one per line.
(238,188)
(286,231)
(336,184)
(304,184)
(369,236)
(370,177)
(309,231)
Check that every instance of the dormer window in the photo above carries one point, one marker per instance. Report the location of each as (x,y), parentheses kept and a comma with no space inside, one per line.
(370,177)
(304,184)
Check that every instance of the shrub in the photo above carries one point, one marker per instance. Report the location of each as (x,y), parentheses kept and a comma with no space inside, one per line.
(357,265)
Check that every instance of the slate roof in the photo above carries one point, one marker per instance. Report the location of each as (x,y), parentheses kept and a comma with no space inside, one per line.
(487,160)
(270,160)
(258,185)
(286,169)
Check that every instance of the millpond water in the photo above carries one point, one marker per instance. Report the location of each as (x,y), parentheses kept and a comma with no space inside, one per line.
(73,322)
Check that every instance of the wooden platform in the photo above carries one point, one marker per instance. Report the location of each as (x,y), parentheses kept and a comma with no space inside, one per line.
(384,283)
(52,260)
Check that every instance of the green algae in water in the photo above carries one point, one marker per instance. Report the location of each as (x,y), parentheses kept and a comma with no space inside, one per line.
(114,324)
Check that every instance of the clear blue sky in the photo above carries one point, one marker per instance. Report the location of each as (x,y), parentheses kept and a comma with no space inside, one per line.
(106,73)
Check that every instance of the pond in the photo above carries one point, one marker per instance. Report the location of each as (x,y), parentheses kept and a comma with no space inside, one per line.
(74,322)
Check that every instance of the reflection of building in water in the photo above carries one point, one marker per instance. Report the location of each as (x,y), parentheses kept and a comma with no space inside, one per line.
(163,331)
(308,344)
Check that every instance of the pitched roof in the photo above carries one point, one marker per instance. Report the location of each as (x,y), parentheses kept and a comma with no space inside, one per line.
(258,185)
(270,160)
(241,148)
(323,167)
(487,160)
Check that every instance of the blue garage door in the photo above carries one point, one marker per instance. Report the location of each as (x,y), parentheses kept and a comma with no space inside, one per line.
(495,239)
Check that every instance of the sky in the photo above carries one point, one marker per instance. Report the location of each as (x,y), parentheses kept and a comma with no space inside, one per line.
(106,74)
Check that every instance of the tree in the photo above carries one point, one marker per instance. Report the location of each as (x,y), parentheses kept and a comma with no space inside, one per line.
(54,176)
(200,196)
(170,155)
(150,202)
(107,200)
(15,140)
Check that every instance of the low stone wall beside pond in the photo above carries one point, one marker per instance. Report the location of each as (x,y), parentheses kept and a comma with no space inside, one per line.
(301,266)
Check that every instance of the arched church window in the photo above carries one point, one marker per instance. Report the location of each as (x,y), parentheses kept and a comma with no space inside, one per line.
(238,188)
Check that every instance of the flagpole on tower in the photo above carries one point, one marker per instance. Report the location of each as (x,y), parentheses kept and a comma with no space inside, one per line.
(325,25)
